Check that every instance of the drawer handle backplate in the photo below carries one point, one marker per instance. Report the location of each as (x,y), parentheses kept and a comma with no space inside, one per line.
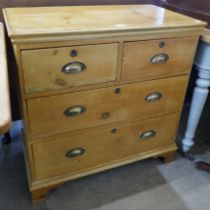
(75,152)
(147,134)
(73,67)
(153,97)
(74,111)
(159,58)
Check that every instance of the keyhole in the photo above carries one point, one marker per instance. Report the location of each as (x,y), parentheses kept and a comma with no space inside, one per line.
(73,53)
(114,130)
(162,44)
(117,91)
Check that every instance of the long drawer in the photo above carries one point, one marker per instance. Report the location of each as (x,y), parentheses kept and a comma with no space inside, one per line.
(95,148)
(75,111)
(145,60)
(66,67)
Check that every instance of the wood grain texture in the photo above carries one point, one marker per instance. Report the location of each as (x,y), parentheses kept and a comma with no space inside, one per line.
(42,68)
(137,57)
(39,195)
(115,114)
(27,147)
(168,157)
(104,106)
(25,3)
(150,154)
(102,146)
(205,36)
(5,115)
(23,22)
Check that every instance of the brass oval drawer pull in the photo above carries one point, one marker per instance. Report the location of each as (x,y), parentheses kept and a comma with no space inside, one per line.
(148,134)
(159,58)
(73,67)
(75,111)
(153,97)
(75,152)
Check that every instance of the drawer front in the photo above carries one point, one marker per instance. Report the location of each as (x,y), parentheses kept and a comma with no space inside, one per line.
(85,109)
(74,154)
(145,60)
(57,68)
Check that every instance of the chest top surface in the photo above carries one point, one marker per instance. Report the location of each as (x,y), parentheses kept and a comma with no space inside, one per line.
(39,21)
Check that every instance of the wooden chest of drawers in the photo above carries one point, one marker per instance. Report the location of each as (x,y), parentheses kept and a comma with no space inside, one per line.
(100,86)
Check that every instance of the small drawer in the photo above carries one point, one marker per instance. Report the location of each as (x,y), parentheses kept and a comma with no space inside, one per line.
(144,60)
(76,111)
(71,155)
(57,68)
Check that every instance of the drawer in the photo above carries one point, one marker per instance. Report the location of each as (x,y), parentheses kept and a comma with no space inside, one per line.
(95,148)
(58,68)
(144,60)
(75,111)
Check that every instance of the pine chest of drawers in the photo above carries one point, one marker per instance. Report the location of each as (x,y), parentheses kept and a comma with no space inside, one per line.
(100,86)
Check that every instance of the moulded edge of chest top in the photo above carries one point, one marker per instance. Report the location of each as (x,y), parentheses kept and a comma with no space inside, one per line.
(129,35)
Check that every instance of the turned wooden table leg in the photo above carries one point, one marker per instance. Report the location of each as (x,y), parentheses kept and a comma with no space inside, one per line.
(200,94)
(39,195)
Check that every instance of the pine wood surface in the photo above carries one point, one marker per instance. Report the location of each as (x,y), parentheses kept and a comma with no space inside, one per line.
(49,134)
(102,146)
(43,67)
(205,36)
(137,56)
(83,19)
(5,115)
(103,106)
